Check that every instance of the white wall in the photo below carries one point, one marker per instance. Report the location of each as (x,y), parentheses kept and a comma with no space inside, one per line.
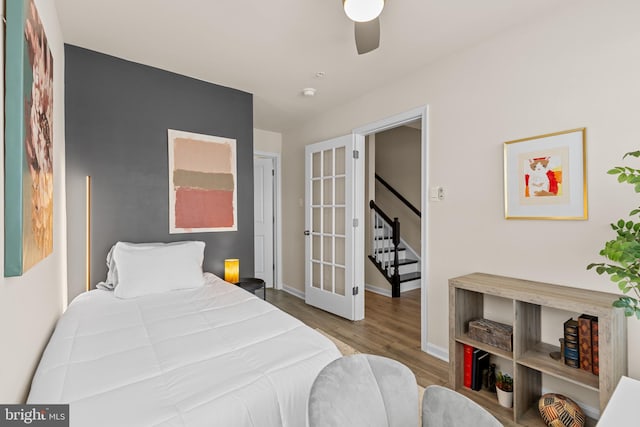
(578,68)
(31,304)
(267,141)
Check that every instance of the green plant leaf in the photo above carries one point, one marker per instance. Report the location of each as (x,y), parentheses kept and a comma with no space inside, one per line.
(632,153)
(623,287)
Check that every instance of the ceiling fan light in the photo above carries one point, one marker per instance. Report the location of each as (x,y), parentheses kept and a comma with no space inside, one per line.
(363,10)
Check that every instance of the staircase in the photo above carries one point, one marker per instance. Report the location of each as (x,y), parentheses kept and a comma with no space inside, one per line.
(392,258)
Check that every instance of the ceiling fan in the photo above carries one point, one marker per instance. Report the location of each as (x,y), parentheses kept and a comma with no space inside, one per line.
(364,14)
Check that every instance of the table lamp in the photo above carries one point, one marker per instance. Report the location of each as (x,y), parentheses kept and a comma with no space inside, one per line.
(232,270)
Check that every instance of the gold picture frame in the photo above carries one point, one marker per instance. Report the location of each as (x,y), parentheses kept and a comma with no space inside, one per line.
(545,177)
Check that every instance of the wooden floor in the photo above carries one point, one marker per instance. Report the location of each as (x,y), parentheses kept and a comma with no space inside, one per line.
(391,328)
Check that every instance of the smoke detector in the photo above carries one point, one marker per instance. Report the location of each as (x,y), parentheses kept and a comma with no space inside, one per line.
(308,91)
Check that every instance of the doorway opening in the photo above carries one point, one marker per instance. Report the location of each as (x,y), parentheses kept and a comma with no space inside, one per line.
(393,195)
(414,121)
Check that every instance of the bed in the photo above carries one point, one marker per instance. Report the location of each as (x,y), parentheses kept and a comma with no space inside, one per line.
(211,354)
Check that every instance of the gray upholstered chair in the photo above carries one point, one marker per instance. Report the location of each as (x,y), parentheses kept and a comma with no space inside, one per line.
(442,407)
(364,390)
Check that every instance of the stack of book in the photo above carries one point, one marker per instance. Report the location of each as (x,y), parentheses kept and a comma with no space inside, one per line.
(581,343)
(571,353)
(475,362)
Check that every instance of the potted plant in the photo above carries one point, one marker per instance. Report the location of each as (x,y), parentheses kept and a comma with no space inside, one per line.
(624,250)
(504,389)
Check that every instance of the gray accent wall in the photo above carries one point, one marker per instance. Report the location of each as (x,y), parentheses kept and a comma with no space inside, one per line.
(117,116)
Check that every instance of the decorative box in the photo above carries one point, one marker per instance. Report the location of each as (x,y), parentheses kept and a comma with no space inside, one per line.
(493,333)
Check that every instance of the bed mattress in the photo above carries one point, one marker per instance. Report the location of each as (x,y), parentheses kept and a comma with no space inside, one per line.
(215,356)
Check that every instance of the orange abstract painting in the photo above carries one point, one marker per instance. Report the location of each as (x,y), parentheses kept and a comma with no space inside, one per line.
(202,183)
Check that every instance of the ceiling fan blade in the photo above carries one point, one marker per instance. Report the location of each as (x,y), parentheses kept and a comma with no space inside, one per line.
(367,35)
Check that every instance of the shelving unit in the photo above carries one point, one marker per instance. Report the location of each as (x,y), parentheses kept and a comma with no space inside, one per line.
(530,356)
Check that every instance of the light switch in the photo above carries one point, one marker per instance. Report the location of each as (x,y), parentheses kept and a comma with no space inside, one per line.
(436,194)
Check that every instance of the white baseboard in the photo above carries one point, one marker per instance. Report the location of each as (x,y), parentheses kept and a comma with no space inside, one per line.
(293,291)
(377,290)
(404,287)
(437,351)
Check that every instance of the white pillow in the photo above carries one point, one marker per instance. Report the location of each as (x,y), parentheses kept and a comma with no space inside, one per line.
(144,269)
(111,280)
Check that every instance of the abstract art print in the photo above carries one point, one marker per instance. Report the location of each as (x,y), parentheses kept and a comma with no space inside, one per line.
(202,183)
(544,176)
(28,140)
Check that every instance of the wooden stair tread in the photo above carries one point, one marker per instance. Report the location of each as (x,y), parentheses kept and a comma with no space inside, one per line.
(401,262)
(409,276)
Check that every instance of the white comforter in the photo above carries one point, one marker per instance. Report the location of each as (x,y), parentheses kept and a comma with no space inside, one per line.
(210,356)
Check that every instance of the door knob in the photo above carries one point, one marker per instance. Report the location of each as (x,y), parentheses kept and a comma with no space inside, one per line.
(306,232)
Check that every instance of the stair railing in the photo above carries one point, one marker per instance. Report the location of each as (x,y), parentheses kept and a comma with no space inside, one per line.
(398,195)
(385,243)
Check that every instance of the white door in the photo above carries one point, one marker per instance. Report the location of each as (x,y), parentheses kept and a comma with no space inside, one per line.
(263,218)
(334,208)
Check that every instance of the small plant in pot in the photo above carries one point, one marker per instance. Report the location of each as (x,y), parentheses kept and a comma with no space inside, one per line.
(504,389)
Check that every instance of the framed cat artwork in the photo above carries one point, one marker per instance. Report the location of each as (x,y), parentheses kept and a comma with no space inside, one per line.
(545,177)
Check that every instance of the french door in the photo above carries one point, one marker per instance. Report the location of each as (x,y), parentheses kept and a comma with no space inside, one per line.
(334,207)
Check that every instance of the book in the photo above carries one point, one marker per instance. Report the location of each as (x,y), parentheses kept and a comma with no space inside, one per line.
(584,342)
(594,346)
(480,362)
(571,344)
(474,367)
(468,365)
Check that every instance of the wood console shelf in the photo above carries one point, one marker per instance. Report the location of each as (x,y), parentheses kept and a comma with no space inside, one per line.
(530,356)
